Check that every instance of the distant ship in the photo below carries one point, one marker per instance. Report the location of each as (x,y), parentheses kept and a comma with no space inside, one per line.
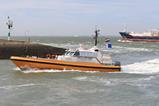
(150,36)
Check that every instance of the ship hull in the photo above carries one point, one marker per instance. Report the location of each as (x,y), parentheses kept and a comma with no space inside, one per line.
(128,37)
(25,63)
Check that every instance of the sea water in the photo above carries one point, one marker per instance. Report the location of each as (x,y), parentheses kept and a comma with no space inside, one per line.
(136,85)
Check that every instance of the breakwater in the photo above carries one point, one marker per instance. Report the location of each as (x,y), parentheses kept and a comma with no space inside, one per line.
(26,48)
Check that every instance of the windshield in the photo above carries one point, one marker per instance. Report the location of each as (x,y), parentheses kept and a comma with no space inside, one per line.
(69,53)
(72,53)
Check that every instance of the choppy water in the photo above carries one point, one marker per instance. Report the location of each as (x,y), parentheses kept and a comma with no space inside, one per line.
(136,85)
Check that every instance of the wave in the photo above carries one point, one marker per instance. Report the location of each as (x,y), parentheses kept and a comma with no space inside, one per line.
(95,79)
(133,48)
(17,86)
(67,45)
(145,67)
(115,81)
(52,71)
(17,69)
(43,71)
(122,50)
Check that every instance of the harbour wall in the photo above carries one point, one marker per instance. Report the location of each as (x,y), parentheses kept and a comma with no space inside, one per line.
(25,48)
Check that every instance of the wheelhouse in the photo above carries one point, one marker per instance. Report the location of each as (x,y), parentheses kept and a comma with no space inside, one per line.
(84,53)
(80,56)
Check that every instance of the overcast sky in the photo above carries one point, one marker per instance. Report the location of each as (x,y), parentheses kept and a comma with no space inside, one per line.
(78,17)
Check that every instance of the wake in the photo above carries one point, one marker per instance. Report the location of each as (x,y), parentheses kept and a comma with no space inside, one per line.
(145,67)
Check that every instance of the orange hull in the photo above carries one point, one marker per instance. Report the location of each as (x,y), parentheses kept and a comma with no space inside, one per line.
(40,63)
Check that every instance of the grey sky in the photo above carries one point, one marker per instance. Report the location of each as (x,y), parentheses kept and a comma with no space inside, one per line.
(78,17)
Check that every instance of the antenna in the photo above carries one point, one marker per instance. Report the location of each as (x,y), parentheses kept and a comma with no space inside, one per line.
(125,28)
(96,35)
(10,25)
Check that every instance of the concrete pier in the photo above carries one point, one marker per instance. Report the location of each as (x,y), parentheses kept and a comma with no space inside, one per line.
(10,48)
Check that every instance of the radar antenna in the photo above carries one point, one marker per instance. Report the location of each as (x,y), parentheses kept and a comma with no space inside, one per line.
(125,28)
(10,25)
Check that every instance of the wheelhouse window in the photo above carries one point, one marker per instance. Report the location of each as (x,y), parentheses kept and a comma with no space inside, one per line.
(89,54)
(81,56)
(69,53)
(76,53)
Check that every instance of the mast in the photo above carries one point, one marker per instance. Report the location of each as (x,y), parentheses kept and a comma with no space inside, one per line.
(96,36)
(10,25)
(125,28)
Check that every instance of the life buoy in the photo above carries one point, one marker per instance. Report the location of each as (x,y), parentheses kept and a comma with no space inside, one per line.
(48,55)
(51,56)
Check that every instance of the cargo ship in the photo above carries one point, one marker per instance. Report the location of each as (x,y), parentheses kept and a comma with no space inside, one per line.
(150,36)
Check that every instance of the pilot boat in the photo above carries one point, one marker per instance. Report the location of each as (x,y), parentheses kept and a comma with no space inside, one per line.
(79,59)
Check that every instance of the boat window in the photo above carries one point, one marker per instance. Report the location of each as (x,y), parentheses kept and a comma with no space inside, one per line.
(66,53)
(76,53)
(80,59)
(90,54)
(69,53)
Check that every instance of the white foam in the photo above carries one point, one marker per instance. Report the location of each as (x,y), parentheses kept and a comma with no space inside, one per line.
(53,71)
(132,48)
(138,49)
(94,79)
(31,70)
(83,78)
(44,71)
(65,45)
(120,49)
(124,41)
(146,67)
(17,86)
(17,69)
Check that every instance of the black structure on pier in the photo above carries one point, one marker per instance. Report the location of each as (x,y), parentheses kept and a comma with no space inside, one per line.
(10,48)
